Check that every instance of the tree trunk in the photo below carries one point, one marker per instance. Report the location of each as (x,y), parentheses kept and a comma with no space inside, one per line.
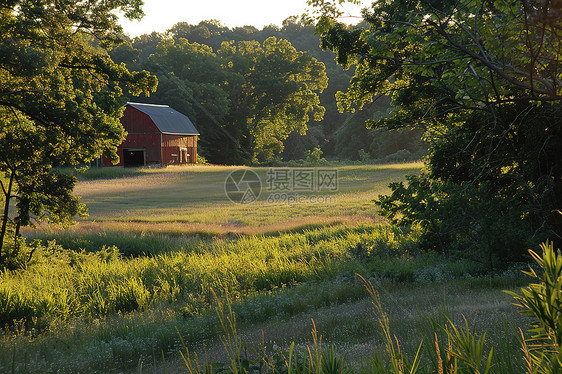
(17,235)
(5,218)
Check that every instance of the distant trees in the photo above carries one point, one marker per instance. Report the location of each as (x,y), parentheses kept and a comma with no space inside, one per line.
(59,102)
(340,135)
(245,97)
(278,93)
(482,80)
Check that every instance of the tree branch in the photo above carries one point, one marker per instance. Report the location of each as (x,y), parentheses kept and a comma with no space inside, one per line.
(440,29)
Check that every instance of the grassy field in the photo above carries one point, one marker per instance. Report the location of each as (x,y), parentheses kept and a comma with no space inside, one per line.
(195,195)
(113,293)
(154,204)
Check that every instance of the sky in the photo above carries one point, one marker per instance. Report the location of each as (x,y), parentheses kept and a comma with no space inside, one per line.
(160,15)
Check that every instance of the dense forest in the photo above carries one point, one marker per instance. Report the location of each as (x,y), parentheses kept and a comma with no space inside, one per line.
(264,95)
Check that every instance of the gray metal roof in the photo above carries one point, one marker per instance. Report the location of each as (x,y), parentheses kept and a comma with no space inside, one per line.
(168,120)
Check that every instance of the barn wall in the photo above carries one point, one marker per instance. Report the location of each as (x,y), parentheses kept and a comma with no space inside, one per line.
(142,133)
(171,148)
(177,155)
(150,143)
(179,140)
(135,121)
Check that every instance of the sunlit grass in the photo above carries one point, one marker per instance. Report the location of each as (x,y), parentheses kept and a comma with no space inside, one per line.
(90,309)
(339,309)
(65,284)
(196,195)
(70,288)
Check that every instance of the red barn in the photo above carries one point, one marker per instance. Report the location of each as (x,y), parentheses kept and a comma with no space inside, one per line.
(156,134)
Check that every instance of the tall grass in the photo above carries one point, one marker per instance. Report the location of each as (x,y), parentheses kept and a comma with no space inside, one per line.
(125,308)
(64,284)
(453,348)
(342,316)
(130,243)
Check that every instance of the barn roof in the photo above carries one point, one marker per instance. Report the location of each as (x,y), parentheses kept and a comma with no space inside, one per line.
(168,120)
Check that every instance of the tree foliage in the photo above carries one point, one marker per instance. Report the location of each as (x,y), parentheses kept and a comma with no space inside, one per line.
(245,97)
(340,135)
(59,101)
(278,93)
(482,80)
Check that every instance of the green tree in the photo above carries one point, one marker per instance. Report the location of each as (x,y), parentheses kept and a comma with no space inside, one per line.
(482,79)
(246,98)
(335,133)
(209,32)
(278,93)
(147,44)
(192,81)
(59,101)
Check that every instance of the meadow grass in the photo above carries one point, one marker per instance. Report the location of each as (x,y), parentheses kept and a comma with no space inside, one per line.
(139,214)
(270,322)
(63,284)
(102,312)
(196,195)
(111,293)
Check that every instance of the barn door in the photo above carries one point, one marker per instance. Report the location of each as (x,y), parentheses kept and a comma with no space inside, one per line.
(184,157)
(133,157)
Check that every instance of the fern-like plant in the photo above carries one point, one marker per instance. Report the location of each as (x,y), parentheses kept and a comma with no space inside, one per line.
(543,301)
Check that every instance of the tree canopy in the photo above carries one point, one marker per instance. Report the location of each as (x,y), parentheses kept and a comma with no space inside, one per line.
(339,134)
(482,80)
(278,94)
(246,97)
(60,100)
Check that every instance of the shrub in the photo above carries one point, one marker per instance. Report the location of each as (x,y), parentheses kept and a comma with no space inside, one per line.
(467,219)
(363,156)
(201,160)
(16,254)
(315,156)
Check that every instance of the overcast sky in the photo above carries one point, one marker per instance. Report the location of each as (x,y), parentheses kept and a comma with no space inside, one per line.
(160,15)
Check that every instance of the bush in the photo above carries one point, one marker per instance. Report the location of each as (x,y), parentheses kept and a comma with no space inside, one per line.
(315,156)
(16,254)
(466,219)
(363,156)
(201,160)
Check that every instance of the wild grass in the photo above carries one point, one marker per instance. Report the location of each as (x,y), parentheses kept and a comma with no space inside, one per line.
(150,238)
(339,308)
(126,309)
(351,331)
(63,284)
(196,195)
(452,346)
(111,294)
(148,212)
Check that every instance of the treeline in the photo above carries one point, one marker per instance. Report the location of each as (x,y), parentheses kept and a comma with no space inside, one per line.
(260,96)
